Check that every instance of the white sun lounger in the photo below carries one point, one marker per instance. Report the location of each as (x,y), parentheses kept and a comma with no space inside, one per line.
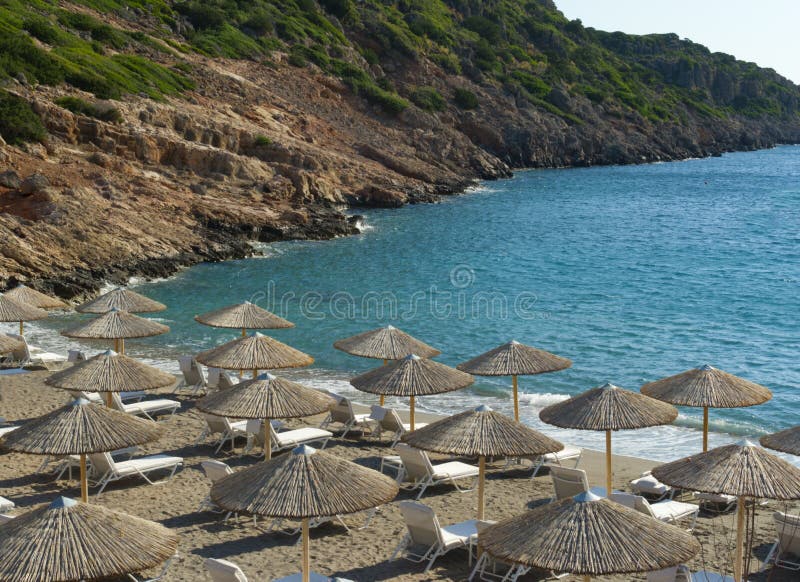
(312,576)
(486,568)
(716,502)
(193,378)
(27,354)
(342,413)
(4,430)
(668,511)
(426,539)
(674,574)
(146,408)
(568,453)
(6,504)
(95,397)
(706,576)
(785,552)
(224,571)
(420,473)
(388,420)
(288,439)
(646,484)
(225,427)
(109,470)
(571,482)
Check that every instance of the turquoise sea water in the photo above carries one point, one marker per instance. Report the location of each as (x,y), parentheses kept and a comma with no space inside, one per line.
(634,273)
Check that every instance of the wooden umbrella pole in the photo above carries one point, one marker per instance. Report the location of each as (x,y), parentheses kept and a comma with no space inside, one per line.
(608,463)
(481,486)
(516,397)
(411,416)
(244,332)
(383,397)
(116,345)
(705,429)
(122,346)
(21,328)
(587,579)
(738,565)
(255,374)
(267,441)
(109,400)
(84,482)
(306,552)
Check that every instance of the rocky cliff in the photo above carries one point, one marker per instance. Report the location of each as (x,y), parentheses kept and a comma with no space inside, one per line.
(147,136)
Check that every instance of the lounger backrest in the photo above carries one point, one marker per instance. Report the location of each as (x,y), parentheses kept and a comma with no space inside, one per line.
(23,352)
(224,571)
(788,527)
(568,482)
(192,374)
(377,412)
(216,470)
(116,401)
(76,356)
(225,381)
(416,463)
(102,462)
(342,411)
(391,421)
(665,575)
(212,380)
(422,523)
(636,502)
(216,424)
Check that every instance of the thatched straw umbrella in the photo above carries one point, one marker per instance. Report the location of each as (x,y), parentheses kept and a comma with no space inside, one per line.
(590,536)
(11,310)
(741,469)
(412,376)
(301,485)
(81,428)
(514,359)
(481,433)
(785,441)
(24,294)
(123,300)
(254,352)
(109,372)
(117,325)
(707,387)
(68,541)
(385,343)
(609,408)
(8,344)
(264,398)
(243,316)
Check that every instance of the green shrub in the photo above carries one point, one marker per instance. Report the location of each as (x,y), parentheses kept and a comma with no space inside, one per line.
(428,98)
(484,27)
(297,59)
(18,54)
(42,29)
(263,141)
(465,99)
(18,122)
(81,107)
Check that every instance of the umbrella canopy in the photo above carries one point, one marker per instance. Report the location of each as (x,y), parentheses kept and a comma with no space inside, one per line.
(514,359)
(590,536)
(110,372)
(243,316)
(8,344)
(12,310)
(741,469)
(254,352)
(305,483)
(609,408)
(265,397)
(707,387)
(123,300)
(68,541)
(385,343)
(412,376)
(785,441)
(24,294)
(116,324)
(81,428)
(482,433)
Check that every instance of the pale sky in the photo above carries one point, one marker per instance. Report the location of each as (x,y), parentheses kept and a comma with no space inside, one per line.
(762,31)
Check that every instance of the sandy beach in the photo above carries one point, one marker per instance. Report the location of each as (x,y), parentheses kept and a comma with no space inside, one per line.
(360,555)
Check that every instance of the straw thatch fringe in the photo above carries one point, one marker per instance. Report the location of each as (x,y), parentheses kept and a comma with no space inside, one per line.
(481,432)
(24,294)
(266,397)
(785,441)
(412,376)
(385,343)
(110,372)
(609,408)
(11,310)
(596,538)
(303,483)
(123,300)
(8,344)
(741,469)
(78,428)
(69,541)
(254,352)
(514,359)
(707,386)
(243,316)
(116,325)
